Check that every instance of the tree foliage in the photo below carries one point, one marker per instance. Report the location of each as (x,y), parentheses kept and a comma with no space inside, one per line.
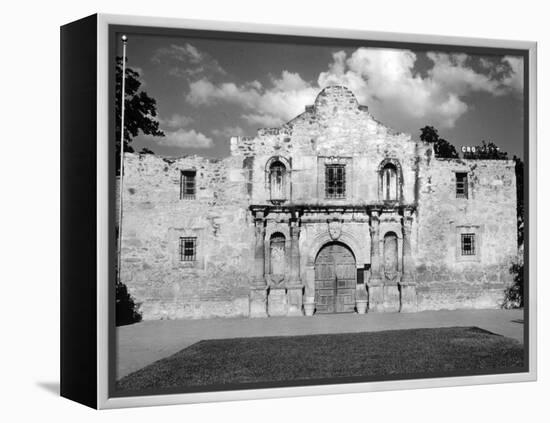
(486,151)
(513,295)
(140,114)
(127,311)
(146,150)
(443,149)
(519,195)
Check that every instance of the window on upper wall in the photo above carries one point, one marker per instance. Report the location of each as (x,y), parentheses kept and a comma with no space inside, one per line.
(335,181)
(277,181)
(468,244)
(461,185)
(188,248)
(389,183)
(188,184)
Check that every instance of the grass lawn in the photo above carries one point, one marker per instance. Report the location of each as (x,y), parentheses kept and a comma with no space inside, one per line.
(370,355)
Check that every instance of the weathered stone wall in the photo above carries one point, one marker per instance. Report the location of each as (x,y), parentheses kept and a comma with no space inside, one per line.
(445,278)
(217,284)
(335,126)
(229,269)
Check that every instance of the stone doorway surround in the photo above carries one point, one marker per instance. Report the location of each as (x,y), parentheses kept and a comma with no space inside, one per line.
(335,279)
(306,229)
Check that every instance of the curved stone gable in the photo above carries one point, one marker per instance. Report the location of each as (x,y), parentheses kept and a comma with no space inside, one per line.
(335,120)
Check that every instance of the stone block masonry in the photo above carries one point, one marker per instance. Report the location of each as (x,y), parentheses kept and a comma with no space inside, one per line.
(216,283)
(329,210)
(446,278)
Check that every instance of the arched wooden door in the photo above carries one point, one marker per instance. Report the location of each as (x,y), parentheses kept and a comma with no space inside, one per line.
(335,279)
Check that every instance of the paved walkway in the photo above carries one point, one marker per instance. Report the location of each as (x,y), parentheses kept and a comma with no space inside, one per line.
(144,343)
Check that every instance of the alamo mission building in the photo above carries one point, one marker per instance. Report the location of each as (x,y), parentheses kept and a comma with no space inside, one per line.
(332,212)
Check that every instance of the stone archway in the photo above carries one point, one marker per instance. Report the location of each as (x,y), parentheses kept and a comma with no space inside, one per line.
(335,279)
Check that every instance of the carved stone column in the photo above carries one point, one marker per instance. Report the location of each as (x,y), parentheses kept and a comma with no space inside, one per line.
(294,286)
(309,290)
(392,262)
(408,284)
(258,290)
(376,275)
(375,284)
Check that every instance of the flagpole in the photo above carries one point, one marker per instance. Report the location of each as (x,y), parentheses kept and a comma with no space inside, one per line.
(124,39)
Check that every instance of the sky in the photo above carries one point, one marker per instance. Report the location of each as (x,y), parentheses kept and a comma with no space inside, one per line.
(209,90)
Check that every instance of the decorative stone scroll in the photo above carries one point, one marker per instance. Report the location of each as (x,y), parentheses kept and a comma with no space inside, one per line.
(334,228)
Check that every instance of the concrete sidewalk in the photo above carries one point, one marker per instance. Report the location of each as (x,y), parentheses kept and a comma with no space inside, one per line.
(144,343)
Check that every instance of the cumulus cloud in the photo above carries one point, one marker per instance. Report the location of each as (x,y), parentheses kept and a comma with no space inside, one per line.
(185,138)
(386,80)
(228,131)
(186,61)
(514,76)
(176,121)
(265,120)
(177,133)
(204,92)
(286,97)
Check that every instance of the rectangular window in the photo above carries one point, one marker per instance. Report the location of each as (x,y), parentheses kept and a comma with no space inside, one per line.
(188,248)
(468,243)
(335,181)
(187,184)
(461,185)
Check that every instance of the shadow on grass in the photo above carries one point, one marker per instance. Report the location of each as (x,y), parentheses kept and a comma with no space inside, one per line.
(370,355)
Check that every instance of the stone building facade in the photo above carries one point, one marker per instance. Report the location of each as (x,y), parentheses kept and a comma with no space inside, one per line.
(331,212)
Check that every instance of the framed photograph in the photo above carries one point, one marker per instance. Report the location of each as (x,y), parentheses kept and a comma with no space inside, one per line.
(254,211)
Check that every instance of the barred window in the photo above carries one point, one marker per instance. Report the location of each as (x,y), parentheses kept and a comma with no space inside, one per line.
(188,248)
(335,181)
(187,184)
(468,243)
(461,185)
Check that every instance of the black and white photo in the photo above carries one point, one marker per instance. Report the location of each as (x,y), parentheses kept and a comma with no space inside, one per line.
(287,211)
(282,202)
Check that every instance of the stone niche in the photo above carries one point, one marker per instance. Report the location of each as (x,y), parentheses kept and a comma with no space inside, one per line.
(391,258)
(278,260)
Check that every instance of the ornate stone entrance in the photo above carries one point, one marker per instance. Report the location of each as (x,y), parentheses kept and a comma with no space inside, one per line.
(330,259)
(335,279)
